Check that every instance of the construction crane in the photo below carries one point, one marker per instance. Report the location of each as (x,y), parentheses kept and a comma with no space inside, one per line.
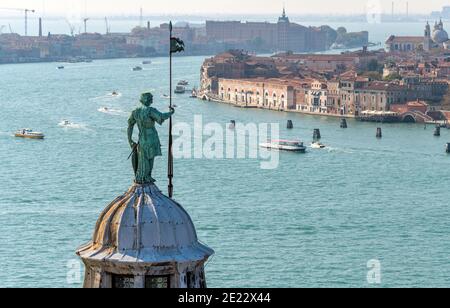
(1,28)
(71,27)
(108,29)
(26,11)
(85,24)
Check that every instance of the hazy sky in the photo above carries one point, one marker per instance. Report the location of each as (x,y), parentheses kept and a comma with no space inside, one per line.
(155,7)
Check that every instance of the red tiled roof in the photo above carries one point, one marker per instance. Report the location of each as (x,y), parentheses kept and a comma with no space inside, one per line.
(405,39)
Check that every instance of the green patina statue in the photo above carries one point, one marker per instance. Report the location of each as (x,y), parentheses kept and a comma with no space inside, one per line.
(149,145)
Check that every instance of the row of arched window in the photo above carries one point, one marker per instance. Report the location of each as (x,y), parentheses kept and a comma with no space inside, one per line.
(248,97)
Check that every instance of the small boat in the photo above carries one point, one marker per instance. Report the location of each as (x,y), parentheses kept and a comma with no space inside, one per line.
(137,69)
(61,67)
(115,93)
(65,123)
(194,93)
(28,133)
(285,145)
(232,124)
(183,83)
(180,90)
(146,62)
(317,145)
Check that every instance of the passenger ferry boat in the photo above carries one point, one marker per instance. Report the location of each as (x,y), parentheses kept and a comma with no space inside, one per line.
(28,133)
(285,145)
(180,90)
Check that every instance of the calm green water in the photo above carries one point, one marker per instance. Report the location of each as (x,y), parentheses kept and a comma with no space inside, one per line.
(314,221)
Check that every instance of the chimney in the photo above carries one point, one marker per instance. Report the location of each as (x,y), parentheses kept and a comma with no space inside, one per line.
(40,27)
(148,25)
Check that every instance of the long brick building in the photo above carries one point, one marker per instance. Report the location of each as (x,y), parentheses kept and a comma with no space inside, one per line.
(281,36)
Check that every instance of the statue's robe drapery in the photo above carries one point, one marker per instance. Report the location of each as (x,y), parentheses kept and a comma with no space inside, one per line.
(149,143)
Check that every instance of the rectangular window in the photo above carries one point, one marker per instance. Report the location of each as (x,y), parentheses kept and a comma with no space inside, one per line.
(157,282)
(122,281)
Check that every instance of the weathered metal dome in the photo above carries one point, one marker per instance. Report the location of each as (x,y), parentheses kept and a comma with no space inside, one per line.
(144,226)
(440,36)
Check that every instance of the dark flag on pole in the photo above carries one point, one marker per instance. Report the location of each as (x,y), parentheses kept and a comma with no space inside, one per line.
(176,45)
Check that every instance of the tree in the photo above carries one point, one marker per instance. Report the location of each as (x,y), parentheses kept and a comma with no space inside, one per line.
(393,76)
(373,66)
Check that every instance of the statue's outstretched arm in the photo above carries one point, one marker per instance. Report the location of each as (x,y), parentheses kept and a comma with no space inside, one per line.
(160,117)
(131,123)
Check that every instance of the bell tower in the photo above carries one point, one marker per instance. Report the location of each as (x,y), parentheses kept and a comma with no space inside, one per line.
(283,32)
(427,38)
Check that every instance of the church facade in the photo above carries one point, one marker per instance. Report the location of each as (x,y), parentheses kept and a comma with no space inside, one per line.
(438,38)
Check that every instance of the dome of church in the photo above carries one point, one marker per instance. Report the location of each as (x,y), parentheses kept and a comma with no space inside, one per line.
(440,36)
(144,226)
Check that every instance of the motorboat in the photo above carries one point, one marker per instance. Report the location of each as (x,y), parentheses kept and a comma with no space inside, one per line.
(146,62)
(28,133)
(317,145)
(61,67)
(137,69)
(115,93)
(285,145)
(183,83)
(180,90)
(65,123)
(104,109)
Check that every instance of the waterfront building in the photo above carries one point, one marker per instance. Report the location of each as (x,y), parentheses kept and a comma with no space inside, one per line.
(282,36)
(316,98)
(275,94)
(317,84)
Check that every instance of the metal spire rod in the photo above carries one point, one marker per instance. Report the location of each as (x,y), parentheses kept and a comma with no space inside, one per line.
(170,160)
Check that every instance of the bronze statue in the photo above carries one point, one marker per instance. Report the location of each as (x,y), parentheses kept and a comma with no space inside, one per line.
(149,145)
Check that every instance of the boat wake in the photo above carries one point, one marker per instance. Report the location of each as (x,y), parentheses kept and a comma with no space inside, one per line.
(6,134)
(107,97)
(69,125)
(338,150)
(113,112)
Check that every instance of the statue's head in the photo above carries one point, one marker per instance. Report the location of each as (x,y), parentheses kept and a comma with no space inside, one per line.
(147,99)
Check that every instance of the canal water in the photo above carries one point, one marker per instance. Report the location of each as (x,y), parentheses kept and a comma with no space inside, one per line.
(314,221)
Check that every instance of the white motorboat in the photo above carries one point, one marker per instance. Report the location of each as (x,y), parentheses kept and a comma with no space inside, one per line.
(65,123)
(285,145)
(28,133)
(317,145)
